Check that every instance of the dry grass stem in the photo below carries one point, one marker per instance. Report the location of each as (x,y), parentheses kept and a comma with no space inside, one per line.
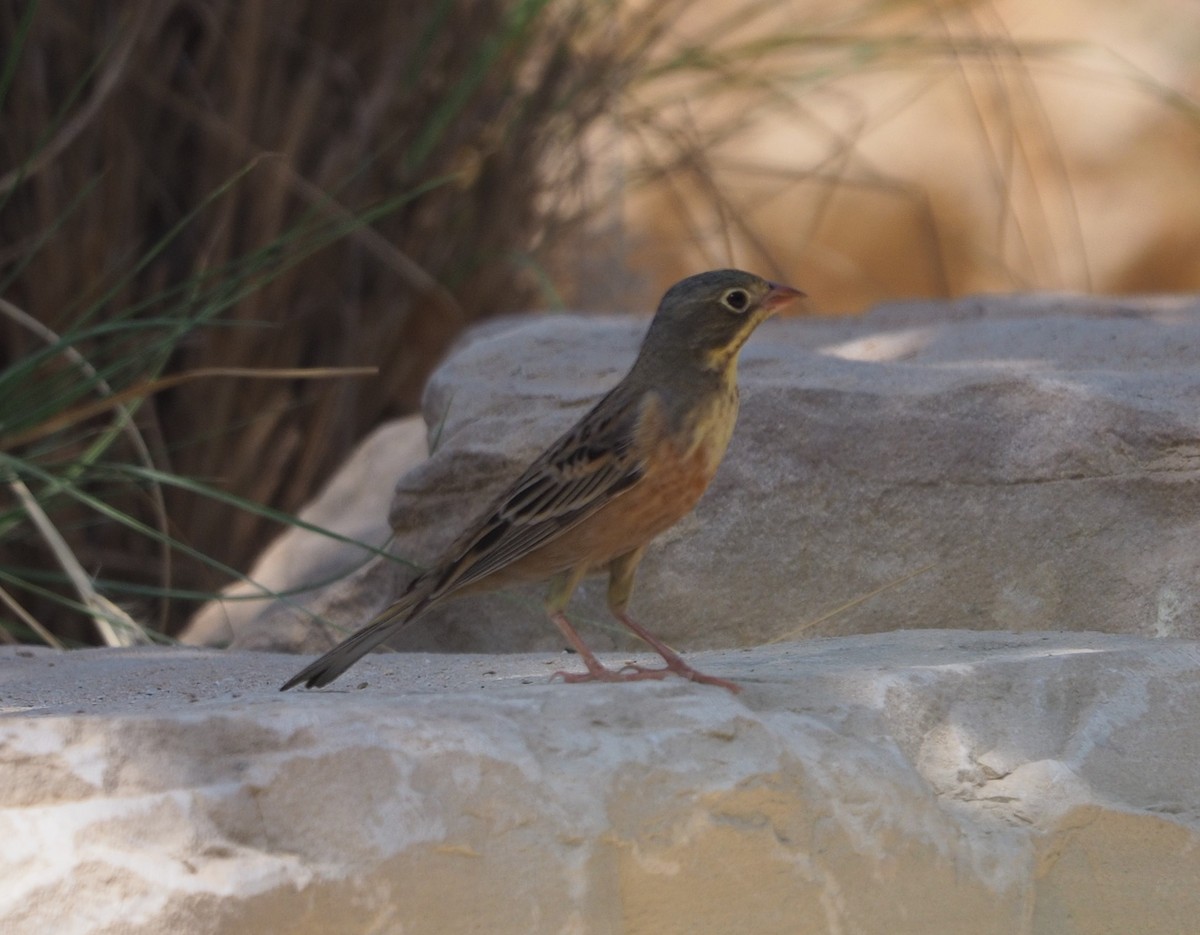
(116,628)
(29,620)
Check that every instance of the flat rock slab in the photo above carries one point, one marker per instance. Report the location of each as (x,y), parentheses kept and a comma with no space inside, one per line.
(935,781)
(1009,462)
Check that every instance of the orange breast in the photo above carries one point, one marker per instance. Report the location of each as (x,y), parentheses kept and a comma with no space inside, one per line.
(672,485)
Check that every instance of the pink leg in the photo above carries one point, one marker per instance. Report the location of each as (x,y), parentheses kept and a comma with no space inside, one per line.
(673,660)
(596,671)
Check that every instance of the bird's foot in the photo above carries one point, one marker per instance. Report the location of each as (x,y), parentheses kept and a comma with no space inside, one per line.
(598,672)
(683,670)
(636,673)
(629,673)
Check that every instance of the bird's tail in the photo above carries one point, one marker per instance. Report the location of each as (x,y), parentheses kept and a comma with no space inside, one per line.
(354,647)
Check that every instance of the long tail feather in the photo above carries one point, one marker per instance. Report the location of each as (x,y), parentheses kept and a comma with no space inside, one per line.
(354,647)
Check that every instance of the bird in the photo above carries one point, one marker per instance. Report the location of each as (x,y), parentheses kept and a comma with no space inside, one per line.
(629,469)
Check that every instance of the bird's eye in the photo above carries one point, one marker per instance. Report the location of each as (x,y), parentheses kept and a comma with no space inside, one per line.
(736,299)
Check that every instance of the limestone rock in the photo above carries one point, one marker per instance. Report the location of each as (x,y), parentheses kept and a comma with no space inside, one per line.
(921,782)
(301,562)
(1034,460)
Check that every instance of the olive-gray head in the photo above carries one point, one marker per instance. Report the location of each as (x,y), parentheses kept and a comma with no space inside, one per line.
(705,319)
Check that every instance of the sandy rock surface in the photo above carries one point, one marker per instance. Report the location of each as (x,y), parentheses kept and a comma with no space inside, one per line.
(913,782)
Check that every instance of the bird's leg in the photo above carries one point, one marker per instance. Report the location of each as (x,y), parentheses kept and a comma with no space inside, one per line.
(561,589)
(596,670)
(620,587)
(673,660)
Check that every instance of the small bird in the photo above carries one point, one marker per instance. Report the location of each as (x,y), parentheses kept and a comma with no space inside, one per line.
(632,467)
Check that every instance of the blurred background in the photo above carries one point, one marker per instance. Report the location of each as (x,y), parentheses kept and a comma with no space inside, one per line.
(273,188)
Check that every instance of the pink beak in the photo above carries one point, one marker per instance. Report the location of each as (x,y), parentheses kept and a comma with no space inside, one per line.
(780,296)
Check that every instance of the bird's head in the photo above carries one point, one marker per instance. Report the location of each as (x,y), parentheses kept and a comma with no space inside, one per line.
(710,316)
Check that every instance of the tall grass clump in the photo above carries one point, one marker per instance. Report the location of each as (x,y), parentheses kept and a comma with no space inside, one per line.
(196,193)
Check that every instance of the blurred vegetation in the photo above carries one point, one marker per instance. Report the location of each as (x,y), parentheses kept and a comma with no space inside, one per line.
(871,150)
(257,184)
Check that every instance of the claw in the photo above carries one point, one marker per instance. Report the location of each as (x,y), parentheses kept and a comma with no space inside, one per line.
(611,675)
(636,673)
(596,671)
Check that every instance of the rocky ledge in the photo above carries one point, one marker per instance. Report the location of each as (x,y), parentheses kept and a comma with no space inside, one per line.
(933,781)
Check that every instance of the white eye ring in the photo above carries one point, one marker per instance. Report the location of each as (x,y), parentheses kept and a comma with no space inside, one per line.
(736,300)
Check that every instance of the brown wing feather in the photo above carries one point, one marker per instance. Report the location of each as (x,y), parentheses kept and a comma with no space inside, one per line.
(577,475)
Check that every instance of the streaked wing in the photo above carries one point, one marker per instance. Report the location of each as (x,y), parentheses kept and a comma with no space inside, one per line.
(576,476)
